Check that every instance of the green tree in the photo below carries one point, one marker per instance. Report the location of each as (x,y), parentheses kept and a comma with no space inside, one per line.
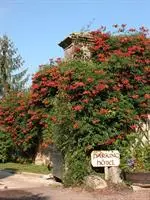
(11,77)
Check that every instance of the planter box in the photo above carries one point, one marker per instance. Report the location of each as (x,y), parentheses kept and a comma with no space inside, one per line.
(138,177)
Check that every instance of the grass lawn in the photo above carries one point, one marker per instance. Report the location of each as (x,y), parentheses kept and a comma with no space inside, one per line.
(17,167)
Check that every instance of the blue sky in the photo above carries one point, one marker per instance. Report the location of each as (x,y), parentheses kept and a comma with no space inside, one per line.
(37,26)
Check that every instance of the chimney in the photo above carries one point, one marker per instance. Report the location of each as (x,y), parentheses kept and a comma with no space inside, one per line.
(77,40)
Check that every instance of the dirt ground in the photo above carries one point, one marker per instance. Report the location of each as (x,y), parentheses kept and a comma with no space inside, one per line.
(59,193)
(29,187)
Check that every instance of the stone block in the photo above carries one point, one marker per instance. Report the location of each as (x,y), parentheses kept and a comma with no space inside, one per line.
(95,182)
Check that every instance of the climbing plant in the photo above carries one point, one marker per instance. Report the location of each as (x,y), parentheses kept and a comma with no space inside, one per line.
(99,101)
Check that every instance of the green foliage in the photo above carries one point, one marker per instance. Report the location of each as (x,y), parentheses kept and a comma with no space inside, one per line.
(135,155)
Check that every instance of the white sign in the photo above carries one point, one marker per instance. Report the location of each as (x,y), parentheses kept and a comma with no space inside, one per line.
(105,158)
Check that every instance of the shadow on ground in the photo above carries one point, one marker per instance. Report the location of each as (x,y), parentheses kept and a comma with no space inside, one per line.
(21,195)
(7,172)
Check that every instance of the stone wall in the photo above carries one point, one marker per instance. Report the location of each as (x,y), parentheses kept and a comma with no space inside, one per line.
(43,157)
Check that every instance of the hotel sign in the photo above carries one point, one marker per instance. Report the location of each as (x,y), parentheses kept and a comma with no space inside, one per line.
(105,158)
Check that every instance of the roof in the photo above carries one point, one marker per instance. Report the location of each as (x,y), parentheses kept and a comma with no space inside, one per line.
(75,36)
(66,42)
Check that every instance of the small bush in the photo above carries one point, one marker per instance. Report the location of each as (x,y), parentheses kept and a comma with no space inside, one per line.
(77,167)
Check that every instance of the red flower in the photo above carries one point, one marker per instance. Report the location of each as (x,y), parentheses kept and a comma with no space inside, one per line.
(44,78)
(1,113)
(118,52)
(136,96)
(133,127)
(87,92)
(21,108)
(35,86)
(44,90)
(113,100)
(101,57)
(103,111)
(51,83)
(147,69)
(144,116)
(95,121)
(10,119)
(120,137)
(147,96)
(116,88)
(99,72)
(90,80)
(125,81)
(85,100)
(76,85)
(76,126)
(143,105)
(124,39)
(136,117)
(77,108)
(110,141)
(101,87)
(53,118)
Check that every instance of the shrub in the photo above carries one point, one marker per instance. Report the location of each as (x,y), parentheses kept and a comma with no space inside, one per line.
(21,124)
(6,147)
